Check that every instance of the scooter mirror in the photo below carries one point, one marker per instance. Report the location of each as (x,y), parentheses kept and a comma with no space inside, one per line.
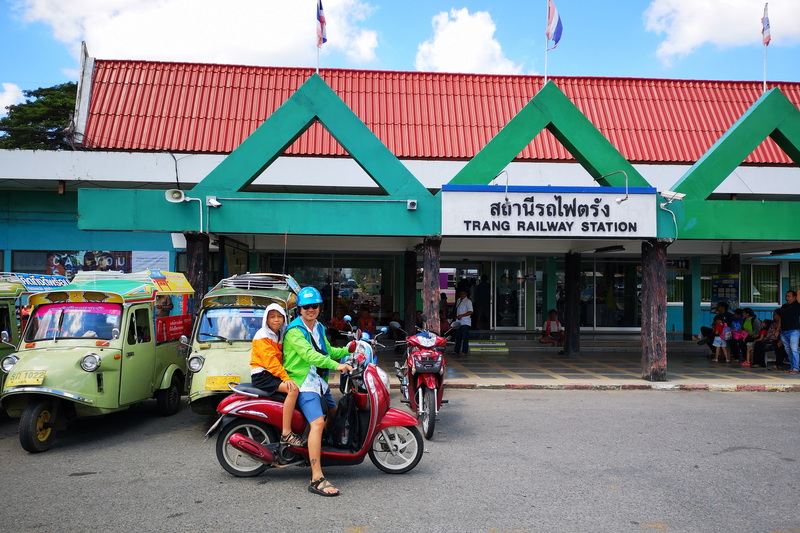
(394,325)
(348,318)
(455,324)
(383,329)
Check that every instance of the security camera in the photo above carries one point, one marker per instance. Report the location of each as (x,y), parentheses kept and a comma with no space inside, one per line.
(411,205)
(672,195)
(175,196)
(211,201)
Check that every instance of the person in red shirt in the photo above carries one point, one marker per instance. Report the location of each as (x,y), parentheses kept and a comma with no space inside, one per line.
(553,331)
(366,322)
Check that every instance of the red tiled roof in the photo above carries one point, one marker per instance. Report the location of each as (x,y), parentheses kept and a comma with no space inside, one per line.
(192,107)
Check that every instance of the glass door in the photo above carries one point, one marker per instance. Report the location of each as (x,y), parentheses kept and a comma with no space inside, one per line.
(509,295)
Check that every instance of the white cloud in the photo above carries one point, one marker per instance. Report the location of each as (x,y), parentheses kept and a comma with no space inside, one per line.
(690,24)
(10,95)
(464,43)
(252,32)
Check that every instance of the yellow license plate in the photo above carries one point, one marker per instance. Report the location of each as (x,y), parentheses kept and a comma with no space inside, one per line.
(25,377)
(220,382)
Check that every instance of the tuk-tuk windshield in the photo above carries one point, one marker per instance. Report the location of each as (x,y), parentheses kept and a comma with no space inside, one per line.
(74,320)
(229,324)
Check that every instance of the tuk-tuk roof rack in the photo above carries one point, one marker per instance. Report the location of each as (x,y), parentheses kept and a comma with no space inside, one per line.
(88,276)
(9,277)
(256,281)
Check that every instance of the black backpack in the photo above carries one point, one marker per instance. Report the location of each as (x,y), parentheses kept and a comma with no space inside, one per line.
(344,432)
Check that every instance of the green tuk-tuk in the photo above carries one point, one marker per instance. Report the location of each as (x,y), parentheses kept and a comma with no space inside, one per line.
(103,343)
(14,290)
(231,314)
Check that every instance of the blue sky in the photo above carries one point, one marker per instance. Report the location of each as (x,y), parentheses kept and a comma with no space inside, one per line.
(713,39)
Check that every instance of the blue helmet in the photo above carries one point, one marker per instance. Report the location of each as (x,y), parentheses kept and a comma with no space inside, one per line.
(308,295)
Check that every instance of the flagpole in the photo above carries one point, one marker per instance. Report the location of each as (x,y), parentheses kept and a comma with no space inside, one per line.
(765,69)
(546,42)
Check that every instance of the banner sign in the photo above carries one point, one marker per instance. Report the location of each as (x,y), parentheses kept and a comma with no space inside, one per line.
(40,282)
(493,211)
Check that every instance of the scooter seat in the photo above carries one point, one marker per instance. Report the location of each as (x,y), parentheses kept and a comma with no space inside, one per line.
(250,389)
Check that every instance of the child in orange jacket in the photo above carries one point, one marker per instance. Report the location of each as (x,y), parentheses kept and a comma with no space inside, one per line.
(268,374)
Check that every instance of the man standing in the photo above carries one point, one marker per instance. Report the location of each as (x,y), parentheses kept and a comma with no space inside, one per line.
(306,348)
(790,328)
(464,315)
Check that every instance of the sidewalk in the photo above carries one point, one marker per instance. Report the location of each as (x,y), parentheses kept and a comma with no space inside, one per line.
(604,364)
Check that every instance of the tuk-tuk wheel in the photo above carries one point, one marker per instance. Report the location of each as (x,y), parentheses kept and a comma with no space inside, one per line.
(168,401)
(37,430)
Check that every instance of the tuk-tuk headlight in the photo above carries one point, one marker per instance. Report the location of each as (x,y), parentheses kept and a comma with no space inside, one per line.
(8,363)
(90,362)
(195,363)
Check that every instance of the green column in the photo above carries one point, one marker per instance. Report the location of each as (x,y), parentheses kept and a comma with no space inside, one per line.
(691,299)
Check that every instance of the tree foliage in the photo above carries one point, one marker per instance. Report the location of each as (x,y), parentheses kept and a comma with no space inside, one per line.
(41,122)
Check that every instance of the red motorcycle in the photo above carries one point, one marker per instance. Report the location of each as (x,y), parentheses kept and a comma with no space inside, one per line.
(422,374)
(250,422)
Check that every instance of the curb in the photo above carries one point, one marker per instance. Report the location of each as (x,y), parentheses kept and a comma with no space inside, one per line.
(786,387)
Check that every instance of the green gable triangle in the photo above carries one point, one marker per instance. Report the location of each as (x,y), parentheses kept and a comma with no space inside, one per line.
(773,115)
(314,100)
(551,109)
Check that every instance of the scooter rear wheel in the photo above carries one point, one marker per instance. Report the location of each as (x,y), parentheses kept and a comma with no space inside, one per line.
(239,463)
(397,449)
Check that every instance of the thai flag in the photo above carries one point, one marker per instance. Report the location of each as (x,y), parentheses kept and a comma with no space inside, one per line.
(553,31)
(765,27)
(322,35)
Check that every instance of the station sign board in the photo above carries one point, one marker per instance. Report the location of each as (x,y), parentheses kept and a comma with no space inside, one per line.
(541,212)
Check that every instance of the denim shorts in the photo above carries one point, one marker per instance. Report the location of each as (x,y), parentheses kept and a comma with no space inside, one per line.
(311,406)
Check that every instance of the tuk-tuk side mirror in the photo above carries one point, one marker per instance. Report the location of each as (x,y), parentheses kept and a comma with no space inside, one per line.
(115,333)
(4,336)
(184,347)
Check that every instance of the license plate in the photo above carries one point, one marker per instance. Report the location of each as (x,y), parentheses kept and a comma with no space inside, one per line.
(220,382)
(25,377)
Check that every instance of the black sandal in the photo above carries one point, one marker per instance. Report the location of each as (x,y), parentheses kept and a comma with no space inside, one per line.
(293,439)
(319,486)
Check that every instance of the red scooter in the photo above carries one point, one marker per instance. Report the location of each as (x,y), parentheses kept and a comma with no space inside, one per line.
(250,422)
(422,374)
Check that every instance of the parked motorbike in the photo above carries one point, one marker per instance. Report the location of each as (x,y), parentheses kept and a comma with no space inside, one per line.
(250,425)
(422,374)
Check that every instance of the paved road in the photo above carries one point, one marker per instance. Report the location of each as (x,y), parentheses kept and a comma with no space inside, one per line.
(501,461)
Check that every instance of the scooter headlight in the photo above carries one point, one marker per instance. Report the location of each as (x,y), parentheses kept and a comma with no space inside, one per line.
(8,363)
(195,363)
(90,362)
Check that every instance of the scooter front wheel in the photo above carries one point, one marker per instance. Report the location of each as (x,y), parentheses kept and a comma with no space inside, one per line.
(237,462)
(427,414)
(396,449)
